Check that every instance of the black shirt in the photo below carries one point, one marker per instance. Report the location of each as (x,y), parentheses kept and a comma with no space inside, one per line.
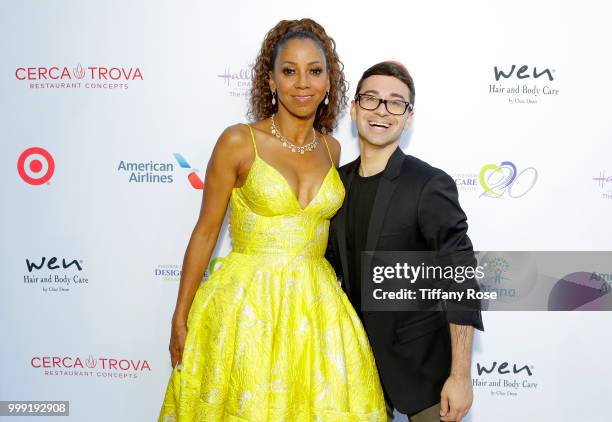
(359,209)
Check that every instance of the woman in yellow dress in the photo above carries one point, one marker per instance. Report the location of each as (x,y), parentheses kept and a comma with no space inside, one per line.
(271,336)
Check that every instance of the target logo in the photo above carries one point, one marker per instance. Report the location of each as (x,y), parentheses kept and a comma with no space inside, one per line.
(35,166)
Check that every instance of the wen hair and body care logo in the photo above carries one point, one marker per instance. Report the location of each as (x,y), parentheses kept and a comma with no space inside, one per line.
(523,84)
(55,275)
(505,379)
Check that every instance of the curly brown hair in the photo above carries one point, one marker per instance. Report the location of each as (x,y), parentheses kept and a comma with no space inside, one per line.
(260,102)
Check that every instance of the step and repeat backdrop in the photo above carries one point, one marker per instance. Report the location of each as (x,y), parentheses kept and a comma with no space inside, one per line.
(109,112)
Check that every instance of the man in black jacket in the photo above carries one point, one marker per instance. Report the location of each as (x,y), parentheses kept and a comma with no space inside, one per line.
(396,202)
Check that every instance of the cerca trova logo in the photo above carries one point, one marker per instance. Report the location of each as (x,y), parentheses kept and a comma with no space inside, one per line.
(74,77)
(102,366)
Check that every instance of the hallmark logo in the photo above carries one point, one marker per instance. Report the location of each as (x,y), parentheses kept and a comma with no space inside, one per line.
(238,82)
(605,183)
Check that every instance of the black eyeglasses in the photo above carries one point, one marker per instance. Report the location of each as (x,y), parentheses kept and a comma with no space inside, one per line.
(370,102)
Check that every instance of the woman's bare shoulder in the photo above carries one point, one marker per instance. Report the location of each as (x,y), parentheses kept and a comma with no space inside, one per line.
(235,142)
(334,148)
(234,135)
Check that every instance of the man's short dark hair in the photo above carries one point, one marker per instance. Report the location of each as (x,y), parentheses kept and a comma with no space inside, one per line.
(397,70)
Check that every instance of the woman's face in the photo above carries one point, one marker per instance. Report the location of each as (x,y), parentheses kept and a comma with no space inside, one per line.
(300,77)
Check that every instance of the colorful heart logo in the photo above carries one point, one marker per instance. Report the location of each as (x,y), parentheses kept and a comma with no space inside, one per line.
(496,178)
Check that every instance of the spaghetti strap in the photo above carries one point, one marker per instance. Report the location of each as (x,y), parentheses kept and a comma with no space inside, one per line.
(253,138)
(328,152)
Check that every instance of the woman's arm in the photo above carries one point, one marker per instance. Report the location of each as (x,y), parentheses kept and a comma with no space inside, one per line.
(222,173)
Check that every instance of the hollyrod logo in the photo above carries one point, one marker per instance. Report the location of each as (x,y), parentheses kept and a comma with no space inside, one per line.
(525,93)
(78,77)
(238,80)
(504,180)
(35,166)
(605,183)
(101,367)
(195,180)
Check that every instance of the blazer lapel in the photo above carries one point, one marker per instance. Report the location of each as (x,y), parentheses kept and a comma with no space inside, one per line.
(386,187)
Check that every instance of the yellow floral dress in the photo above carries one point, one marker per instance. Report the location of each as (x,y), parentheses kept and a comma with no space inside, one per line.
(271,335)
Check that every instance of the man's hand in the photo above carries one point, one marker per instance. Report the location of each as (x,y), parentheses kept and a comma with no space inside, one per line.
(456,398)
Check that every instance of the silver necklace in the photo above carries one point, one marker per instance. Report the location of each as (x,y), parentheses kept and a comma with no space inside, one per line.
(291,146)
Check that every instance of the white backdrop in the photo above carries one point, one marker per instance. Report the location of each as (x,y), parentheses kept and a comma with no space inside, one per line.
(145,80)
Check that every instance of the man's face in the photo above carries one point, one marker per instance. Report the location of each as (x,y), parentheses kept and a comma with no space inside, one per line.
(379,127)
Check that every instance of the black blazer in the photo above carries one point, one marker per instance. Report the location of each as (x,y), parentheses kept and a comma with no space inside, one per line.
(416,209)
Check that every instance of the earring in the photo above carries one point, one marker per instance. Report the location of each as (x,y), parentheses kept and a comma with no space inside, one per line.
(274,98)
(326,102)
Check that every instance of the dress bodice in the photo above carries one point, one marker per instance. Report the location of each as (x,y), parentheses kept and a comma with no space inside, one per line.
(266,216)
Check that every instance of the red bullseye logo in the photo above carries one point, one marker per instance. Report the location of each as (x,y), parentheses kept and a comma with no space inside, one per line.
(35,166)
